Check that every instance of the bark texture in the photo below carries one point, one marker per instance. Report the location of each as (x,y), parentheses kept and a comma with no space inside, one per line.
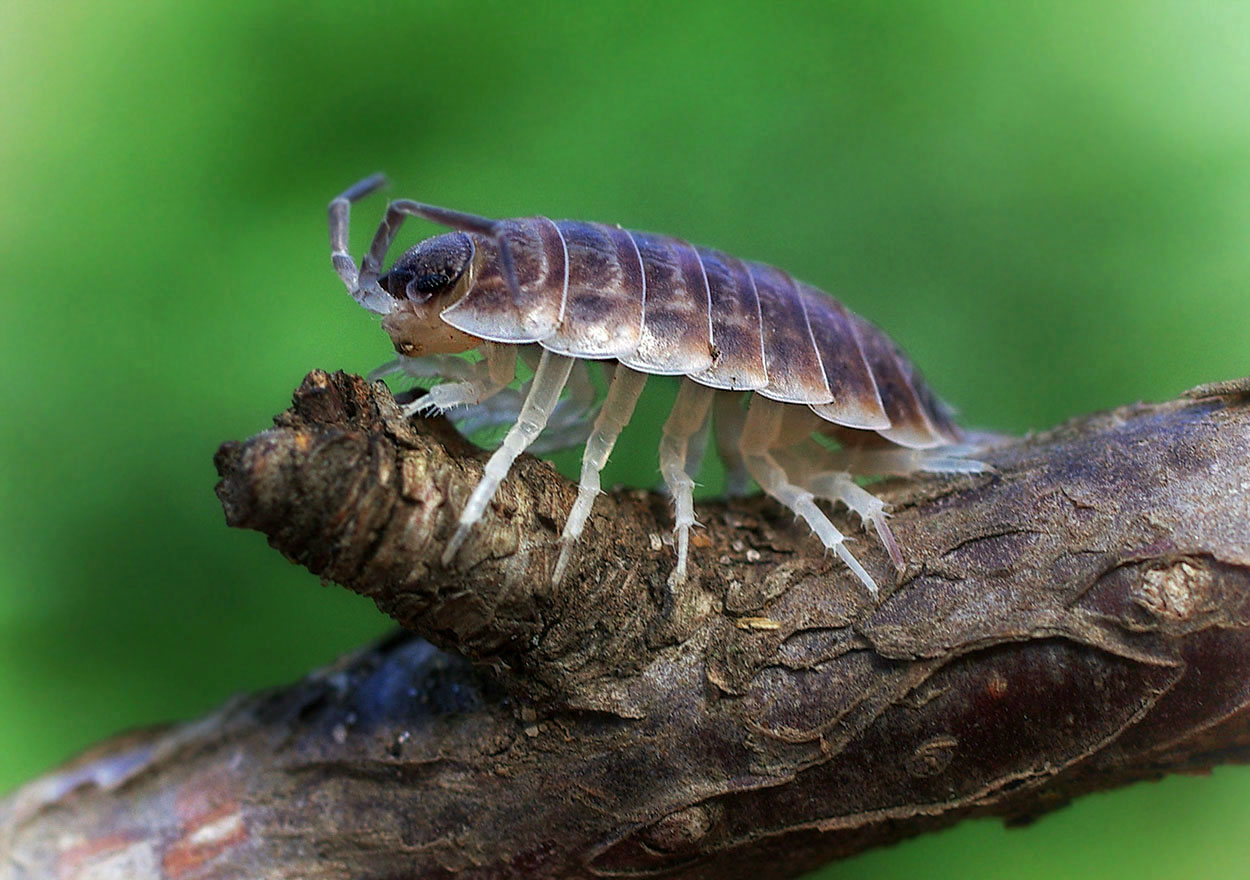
(1077,620)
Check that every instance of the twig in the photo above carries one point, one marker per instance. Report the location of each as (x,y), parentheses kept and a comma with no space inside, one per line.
(1076,621)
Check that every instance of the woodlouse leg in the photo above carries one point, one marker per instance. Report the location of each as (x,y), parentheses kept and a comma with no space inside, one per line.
(696,449)
(811,466)
(559,437)
(689,413)
(568,425)
(760,436)
(571,422)
(548,383)
(904,462)
(490,376)
(370,296)
(581,394)
(617,410)
(501,409)
(840,487)
(430,366)
(728,417)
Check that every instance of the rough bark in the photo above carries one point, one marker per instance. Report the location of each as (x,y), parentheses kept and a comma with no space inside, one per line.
(1077,620)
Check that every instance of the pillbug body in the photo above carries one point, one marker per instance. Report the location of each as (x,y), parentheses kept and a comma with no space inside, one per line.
(645,304)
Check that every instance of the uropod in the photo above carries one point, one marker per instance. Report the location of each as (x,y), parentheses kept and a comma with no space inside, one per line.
(830,396)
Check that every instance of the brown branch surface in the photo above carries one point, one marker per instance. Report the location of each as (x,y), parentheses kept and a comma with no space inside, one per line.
(1078,620)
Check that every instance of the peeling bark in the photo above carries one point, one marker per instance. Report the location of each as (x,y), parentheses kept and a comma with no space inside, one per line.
(1078,620)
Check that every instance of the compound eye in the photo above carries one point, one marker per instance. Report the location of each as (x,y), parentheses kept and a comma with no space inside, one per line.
(396,282)
(431,282)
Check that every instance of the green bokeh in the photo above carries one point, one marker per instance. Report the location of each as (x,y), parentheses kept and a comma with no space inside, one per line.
(1047,204)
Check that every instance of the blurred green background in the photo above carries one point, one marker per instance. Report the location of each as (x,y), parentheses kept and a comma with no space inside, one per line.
(1047,204)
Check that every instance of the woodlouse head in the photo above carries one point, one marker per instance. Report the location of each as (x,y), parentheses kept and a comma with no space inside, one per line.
(424,281)
(432,269)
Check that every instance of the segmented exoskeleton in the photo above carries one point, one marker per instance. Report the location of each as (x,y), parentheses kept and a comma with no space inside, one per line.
(649,304)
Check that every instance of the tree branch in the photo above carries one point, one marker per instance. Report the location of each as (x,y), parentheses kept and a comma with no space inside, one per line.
(1078,620)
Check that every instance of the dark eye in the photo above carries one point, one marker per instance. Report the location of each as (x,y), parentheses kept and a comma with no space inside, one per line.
(431,282)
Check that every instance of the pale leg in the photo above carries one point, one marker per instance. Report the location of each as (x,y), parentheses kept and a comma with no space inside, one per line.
(688,415)
(759,436)
(810,465)
(491,375)
(430,366)
(728,417)
(570,424)
(553,372)
(617,410)
(840,487)
(696,448)
(581,391)
(500,410)
(904,462)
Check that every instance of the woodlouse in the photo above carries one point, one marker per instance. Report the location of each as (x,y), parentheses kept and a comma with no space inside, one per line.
(649,304)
